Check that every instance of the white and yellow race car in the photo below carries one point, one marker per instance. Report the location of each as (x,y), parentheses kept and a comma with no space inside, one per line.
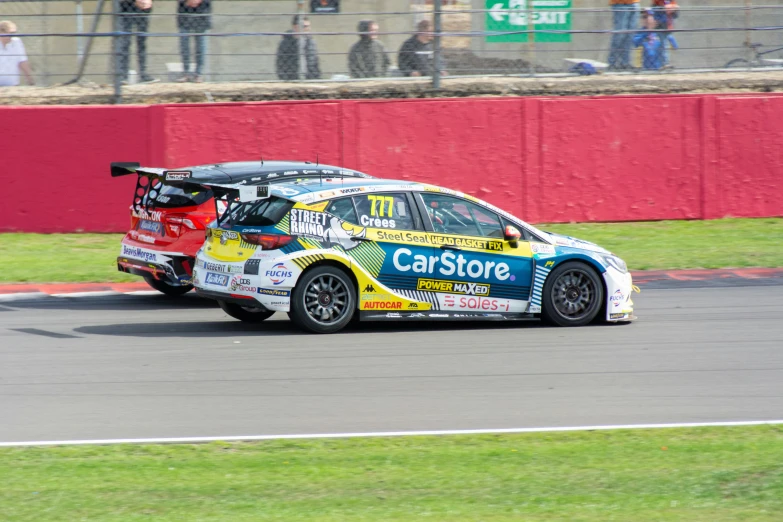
(324,249)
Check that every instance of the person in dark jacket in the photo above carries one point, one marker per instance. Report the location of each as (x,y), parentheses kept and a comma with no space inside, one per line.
(134,17)
(193,16)
(367,58)
(297,55)
(416,55)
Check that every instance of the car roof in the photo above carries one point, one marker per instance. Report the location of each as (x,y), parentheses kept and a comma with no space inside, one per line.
(262,171)
(335,182)
(314,190)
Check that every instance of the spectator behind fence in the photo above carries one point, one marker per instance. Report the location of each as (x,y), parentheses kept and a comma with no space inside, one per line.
(625,14)
(665,12)
(193,17)
(297,55)
(652,43)
(368,57)
(134,17)
(13,57)
(416,54)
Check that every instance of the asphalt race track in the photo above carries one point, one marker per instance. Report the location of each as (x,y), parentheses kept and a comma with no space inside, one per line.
(129,366)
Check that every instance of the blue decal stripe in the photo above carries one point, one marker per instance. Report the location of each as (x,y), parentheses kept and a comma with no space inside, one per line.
(538,284)
(292,247)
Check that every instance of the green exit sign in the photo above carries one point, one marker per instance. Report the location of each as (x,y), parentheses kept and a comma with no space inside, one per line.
(512,15)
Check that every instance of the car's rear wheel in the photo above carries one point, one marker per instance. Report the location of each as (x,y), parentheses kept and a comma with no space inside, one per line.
(572,296)
(247,314)
(166,288)
(323,301)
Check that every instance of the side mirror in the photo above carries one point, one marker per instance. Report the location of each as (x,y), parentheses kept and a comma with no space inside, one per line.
(512,234)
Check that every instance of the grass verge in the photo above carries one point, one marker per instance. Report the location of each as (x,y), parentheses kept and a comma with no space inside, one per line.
(658,245)
(723,243)
(694,474)
(61,258)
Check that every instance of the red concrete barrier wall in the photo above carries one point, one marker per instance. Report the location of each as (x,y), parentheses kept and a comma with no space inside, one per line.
(544,159)
(54,163)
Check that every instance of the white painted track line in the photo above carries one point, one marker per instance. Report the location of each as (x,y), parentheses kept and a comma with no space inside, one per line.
(100,293)
(250,438)
(22,295)
(143,292)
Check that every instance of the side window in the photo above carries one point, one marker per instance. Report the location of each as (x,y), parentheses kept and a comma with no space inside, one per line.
(450,215)
(384,211)
(343,209)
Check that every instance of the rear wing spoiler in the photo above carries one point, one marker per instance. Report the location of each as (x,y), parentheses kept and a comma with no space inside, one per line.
(124,168)
(149,182)
(253,186)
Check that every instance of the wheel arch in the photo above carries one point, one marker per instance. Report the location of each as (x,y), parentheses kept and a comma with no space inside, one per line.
(592,263)
(335,264)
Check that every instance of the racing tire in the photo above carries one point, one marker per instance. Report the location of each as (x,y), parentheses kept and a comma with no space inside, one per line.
(245,313)
(323,300)
(165,288)
(738,62)
(573,295)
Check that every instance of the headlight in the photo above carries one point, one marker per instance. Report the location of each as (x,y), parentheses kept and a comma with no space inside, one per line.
(616,263)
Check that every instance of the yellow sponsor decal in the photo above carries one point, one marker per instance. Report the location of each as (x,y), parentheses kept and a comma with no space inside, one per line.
(381,205)
(452,287)
(227,245)
(549,263)
(427,238)
(377,298)
(319,207)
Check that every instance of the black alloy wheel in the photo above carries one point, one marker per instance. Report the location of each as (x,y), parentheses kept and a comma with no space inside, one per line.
(573,295)
(247,314)
(166,288)
(323,301)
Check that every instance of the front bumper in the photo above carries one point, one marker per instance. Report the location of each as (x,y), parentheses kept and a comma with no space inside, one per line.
(619,287)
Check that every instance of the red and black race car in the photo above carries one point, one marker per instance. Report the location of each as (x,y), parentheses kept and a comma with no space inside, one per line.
(168,222)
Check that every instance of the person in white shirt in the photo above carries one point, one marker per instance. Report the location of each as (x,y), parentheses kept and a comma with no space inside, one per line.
(13,57)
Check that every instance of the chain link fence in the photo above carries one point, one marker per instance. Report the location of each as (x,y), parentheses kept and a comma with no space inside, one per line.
(124,45)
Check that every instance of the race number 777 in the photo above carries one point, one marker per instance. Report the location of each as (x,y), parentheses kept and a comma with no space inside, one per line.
(383,204)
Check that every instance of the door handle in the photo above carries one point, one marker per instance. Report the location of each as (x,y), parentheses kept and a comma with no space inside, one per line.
(354,238)
(449,247)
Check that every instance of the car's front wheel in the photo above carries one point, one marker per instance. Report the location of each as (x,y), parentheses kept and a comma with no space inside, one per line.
(245,313)
(323,301)
(573,295)
(165,288)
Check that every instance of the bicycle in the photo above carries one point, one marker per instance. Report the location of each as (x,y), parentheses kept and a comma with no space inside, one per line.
(757,60)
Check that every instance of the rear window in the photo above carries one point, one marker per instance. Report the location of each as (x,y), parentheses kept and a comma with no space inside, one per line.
(262,213)
(173,197)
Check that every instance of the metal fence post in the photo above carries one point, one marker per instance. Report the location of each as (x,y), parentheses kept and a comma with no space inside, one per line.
(748,48)
(531,38)
(438,5)
(115,24)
